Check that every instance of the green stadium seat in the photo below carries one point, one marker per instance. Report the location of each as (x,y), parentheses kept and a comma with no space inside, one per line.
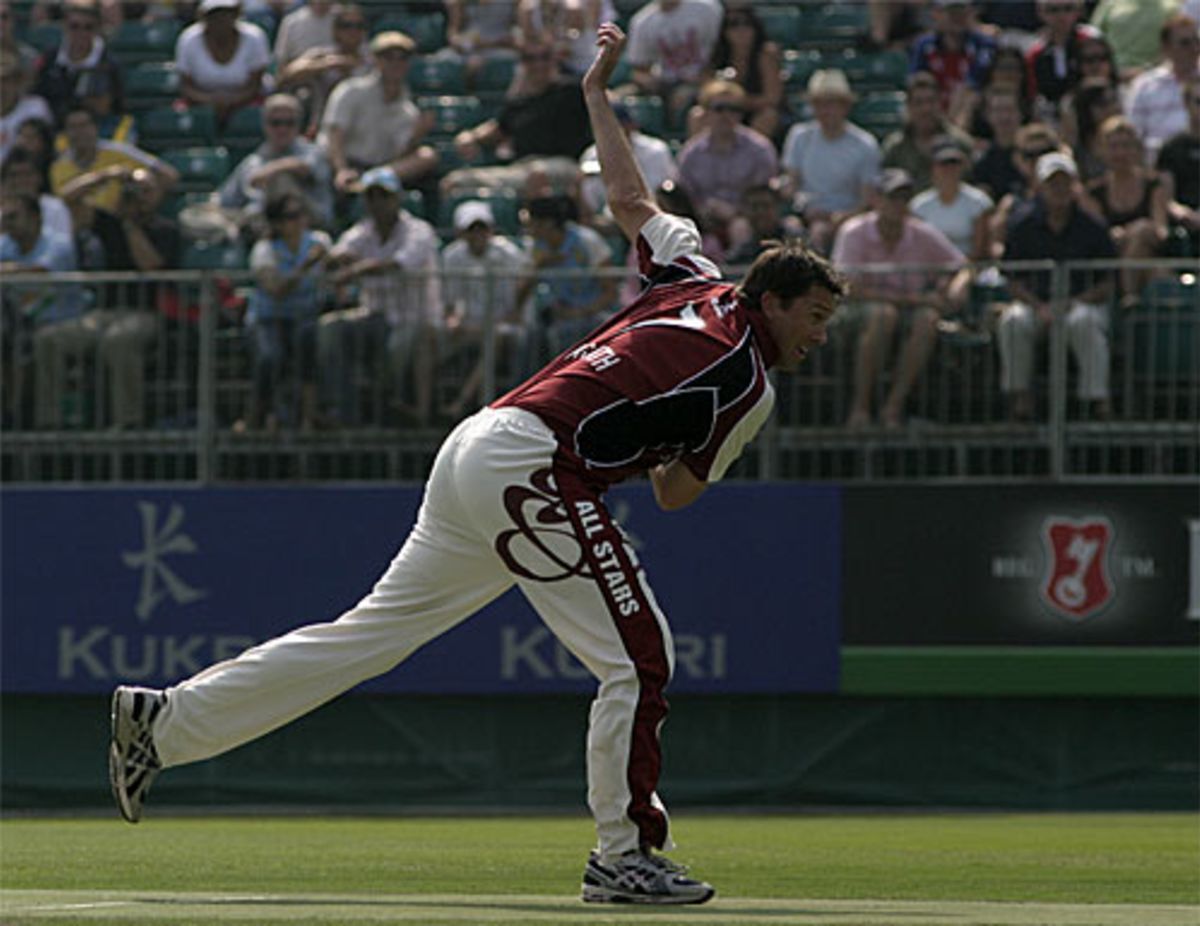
(836,25)
(165,128)
(428,30)
(449,159)
(437,76)
(1166,329)
(243,130)
(149,86)
(885,70)
(453,113)
(798,66)
(138,42)
(782,24)
(648,113)
(505,205)
(266,20)
(42,38)
(200,169)
(200,255)
(880,113)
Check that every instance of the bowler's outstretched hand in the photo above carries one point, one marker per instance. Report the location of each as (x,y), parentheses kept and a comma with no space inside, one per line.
(610,41)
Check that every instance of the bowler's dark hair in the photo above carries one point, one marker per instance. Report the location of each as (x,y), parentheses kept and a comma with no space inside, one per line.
(790,269)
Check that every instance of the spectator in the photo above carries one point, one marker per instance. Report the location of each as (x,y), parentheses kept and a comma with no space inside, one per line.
(1132,198)
(17,107)
(1155,101)
(22,174)
(477,32)
(372,121)
(284,163)
(567,25)
(308,26)
(281,324)
(96,167)
(482,270)
(894,23)
(744,55)
(911,147)
(1093,102)
(995,171)
(957,55)
(37,138)
(1053,227)
(831,162)
(670,44)
(93,91)
(1032,142)
(222,60)
(314,73)
(717,166)
(1180,159)
(1007,74)
(23,56)
(1132,28)
(956,209)
(572,305)
(762,219)
(51,312)
(125,322)
(82,49)
(653,156)
(891,235)
(546,119)
(392,256)
(1054,59)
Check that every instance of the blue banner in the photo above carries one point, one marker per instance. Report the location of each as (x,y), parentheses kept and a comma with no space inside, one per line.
(103,586)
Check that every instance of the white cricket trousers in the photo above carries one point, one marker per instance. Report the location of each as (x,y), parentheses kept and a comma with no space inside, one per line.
(498,508)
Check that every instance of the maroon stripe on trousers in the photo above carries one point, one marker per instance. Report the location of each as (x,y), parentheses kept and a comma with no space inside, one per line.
(637,625)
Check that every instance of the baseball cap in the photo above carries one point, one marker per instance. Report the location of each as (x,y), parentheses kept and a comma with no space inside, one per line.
(386,41)
(829,83)
(894,179)
(1055,162)
(207,6)
(383,177)
(946,148)
(468,213)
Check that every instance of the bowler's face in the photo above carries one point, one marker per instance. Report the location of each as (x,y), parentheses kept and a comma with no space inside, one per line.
(799,325)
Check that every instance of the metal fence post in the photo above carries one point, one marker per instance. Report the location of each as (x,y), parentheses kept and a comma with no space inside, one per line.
(206,385)
(488,385)
(1057,411)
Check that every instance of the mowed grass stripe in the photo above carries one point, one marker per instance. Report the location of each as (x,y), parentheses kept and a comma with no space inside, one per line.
(39,908)
(1149,859)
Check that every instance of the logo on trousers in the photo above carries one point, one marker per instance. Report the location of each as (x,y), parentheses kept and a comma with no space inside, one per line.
(1077,583)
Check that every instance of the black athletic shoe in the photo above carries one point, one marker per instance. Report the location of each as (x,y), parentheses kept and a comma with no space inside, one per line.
(132,759)
(641,877)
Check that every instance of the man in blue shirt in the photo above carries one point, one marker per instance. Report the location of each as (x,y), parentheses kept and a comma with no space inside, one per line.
(51,310)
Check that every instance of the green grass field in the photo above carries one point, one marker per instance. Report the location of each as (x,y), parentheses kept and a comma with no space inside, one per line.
(851,870)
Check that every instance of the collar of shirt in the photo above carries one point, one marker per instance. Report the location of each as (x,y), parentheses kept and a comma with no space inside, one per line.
(762,334)
(92,59)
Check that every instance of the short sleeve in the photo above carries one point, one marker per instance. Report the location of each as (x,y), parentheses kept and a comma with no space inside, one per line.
(262,256)
(258,56)
(665,238)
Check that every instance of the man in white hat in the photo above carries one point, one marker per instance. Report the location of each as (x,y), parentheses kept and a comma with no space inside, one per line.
(1054,227)
(480,271)
(391,255)
(831,162)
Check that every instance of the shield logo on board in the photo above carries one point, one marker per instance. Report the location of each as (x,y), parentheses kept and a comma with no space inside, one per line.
(1077,583)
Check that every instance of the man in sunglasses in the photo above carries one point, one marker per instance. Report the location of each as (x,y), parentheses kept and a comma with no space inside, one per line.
(82,49)
(284,163)
(313,73)
(721,162)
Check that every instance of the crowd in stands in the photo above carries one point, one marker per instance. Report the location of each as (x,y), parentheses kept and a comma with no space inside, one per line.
(399,177)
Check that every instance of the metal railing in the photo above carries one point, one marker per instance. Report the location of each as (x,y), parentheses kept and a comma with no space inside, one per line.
(347,404)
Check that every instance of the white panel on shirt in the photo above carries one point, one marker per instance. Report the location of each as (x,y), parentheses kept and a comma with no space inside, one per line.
(671,237)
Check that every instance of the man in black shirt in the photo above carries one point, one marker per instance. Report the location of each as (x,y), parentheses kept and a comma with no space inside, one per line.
(1052,227)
